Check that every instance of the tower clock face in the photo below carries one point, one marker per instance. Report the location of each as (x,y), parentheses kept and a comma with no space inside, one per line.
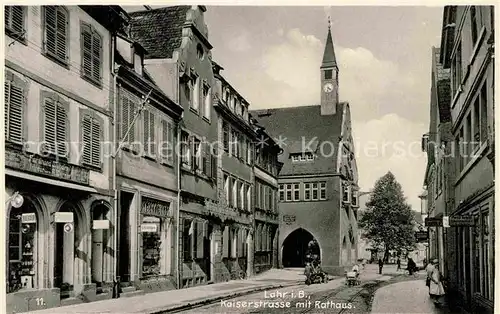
(328,87)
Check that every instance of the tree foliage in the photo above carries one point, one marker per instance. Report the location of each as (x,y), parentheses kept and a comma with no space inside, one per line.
(388,221)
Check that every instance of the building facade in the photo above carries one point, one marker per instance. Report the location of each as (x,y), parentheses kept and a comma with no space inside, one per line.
(57,115)
(146,175)
(318,181)
(467,49)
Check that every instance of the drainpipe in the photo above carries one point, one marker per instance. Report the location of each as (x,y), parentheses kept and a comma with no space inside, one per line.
(178,209)
(115,141)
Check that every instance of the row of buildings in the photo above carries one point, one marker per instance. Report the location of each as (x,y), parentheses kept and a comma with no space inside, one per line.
(137,161)
(459,180)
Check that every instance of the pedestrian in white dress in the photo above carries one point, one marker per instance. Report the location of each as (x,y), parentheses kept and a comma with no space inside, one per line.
(436,289)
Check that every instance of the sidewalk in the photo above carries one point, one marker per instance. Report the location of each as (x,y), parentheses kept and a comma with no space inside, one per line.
(177,299)
(405,297)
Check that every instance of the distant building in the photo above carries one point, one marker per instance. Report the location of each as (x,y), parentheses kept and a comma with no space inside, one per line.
(318,192)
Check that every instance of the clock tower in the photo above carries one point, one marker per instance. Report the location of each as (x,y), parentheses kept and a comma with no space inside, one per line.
(329,77)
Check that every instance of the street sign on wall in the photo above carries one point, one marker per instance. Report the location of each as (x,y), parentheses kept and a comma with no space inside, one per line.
(461,221)
(433,222)
(421,236)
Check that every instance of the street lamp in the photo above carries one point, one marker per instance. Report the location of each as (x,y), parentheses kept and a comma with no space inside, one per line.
(16,200)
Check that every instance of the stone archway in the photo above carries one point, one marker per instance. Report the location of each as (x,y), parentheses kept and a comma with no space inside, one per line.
(299,247)
(100,211)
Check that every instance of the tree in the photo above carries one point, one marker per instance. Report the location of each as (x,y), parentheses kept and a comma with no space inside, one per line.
(388,220)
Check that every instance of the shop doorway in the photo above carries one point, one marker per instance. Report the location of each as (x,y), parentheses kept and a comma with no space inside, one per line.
(66,242)
(124,239)
(100,239)
(207,250)
(299,247)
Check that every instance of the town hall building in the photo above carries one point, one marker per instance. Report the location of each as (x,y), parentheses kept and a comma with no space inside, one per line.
(318,191)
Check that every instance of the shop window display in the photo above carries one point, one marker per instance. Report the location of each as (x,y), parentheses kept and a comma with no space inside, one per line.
(151,246)
(22,230)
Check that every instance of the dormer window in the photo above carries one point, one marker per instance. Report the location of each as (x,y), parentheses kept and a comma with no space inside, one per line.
(138,63)
(302,157)
(199,52)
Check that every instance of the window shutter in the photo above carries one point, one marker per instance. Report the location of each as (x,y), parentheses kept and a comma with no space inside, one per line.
(149,132)
(14,105)
(61,127)
(214,165)
(206,159)
(199,239)
(225,242)
(87,139)
(50,29)
(131,115)
(61,34)
(96,56)
(166,149)
(86,51)
(50,125)
(96,143)
(14,18)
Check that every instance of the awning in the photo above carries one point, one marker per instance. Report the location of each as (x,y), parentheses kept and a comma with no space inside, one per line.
(27,176)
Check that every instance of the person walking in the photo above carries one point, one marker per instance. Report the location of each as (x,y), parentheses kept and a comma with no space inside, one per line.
(436,289)
(411,266)
(428,270)
(399,264)
(380,265)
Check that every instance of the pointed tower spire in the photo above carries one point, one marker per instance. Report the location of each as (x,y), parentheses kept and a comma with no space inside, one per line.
(329,59)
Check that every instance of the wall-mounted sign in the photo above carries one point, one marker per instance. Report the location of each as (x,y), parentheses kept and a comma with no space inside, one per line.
(100,224)
(461,221)
(289,219)
(29,218)
(446,221)
(433,222)
(421,236)
(68,227)
(40,165)
(149,227)
(151,207)
(63,217)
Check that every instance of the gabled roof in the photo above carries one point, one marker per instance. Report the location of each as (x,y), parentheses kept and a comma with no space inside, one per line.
(159,31)
(296,125)
(329,59)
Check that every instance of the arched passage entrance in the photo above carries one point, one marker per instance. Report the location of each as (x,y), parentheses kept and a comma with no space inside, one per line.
(100,237)
(298,247)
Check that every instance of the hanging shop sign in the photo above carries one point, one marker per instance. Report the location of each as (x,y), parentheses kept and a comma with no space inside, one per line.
(148,227)
(43,166)
(63,217)
(433,222)
(289,219)
(421,236)
(100,224)
(461,221)
(151,207)
(29,218)
(68,227)
(446,221)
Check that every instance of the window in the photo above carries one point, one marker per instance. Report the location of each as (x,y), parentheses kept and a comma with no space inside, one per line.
(355,198)
(249,198)
(199,52)
(468,136)
(167,145)
(186,240)
(14,20)
(151,247)
(307,191)
(328,74)
(270,194)
(235,192)
(91,140)
(261,196)
(315,191)
(188,91)
(207,101)
(185,149)
(55,124)
(196,93)
(346,192)
(225,130)
(149,133)
(56,37)
(91,50)
(483,113)
(296,192)
(241,191)
(322,191)
(195,158)
(295,157)
(127,114)
(282,192)
(249,152)
(310,156)
(244,148)
(226,189)
(14,109)
(234,143)
(288,192)
(457,68)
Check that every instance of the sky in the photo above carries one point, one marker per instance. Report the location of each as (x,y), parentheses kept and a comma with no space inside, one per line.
(272,55)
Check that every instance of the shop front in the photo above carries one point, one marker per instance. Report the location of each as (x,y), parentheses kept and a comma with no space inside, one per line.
(48,230)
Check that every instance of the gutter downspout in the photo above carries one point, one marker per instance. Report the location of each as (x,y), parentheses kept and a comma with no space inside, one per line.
(115,135)
(178,209)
